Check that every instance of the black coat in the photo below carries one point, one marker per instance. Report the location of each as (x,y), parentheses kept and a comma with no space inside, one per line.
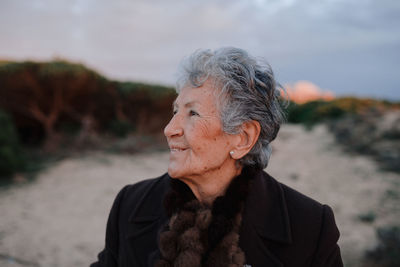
(280,226)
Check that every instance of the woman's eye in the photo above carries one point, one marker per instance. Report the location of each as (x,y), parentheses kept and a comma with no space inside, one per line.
(193,113)
(174,112)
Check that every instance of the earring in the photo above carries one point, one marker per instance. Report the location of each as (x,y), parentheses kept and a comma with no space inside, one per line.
(231,152)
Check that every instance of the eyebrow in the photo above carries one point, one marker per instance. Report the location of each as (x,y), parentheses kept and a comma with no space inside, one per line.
(188,104)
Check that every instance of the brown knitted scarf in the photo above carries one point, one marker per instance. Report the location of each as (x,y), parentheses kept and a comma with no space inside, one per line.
(199,235)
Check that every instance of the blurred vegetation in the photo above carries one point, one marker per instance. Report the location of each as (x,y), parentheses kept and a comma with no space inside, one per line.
(373,132)
(57,104)
(317,111)
(368,217)
(11,156)
(365,126)
(60,104)
(387,252)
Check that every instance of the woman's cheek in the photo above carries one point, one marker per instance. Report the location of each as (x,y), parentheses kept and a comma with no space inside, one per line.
(200,129)
(207,130)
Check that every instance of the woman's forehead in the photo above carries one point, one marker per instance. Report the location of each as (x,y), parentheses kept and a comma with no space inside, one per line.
(189,96)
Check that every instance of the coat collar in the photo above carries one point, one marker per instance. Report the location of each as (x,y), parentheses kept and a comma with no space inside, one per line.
(265,221)
(265,218)
(266,209)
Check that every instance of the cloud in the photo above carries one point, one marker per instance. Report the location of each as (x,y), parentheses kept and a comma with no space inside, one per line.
(304,91)
(322,41)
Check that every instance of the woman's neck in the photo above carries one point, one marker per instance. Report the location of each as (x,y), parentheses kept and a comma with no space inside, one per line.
(207,188)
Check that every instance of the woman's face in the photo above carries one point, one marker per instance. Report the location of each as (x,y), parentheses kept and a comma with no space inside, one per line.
(198,146)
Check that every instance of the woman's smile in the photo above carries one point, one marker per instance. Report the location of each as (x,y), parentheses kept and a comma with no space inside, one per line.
(177,151)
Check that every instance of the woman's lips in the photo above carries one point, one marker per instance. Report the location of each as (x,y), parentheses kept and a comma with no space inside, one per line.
(177,149)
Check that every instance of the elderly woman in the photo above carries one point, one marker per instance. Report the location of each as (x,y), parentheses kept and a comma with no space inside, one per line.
(216,206)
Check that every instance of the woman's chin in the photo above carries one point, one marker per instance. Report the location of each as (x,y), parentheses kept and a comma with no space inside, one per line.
(174,172)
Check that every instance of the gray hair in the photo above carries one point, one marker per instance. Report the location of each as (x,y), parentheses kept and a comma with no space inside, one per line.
(247,91)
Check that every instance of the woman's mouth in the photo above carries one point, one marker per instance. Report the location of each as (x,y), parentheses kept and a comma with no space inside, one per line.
(177,149)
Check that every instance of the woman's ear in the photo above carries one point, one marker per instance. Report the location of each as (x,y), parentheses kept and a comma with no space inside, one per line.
(246,139)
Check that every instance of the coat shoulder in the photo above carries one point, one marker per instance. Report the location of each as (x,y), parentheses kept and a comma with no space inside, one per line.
(299,201)
(306,212)
(316,223)
(144,196)
(299,206)
(146,186)
(312,223)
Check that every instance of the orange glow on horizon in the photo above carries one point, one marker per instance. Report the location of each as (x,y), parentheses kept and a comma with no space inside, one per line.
(303,91)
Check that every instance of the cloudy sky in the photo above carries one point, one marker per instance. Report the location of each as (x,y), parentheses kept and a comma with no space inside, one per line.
(349,47)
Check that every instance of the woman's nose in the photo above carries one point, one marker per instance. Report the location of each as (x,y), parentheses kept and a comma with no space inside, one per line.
(174,127)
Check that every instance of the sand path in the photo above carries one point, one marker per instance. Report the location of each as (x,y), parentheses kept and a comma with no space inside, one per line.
(59,219)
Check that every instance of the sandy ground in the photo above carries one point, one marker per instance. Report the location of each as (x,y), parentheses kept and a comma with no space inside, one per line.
(60,218)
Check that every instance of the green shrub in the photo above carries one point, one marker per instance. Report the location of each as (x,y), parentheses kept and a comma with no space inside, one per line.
(368,217)
(304,113)
(11,158)
(316,111)
(48,100)
(387,252)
